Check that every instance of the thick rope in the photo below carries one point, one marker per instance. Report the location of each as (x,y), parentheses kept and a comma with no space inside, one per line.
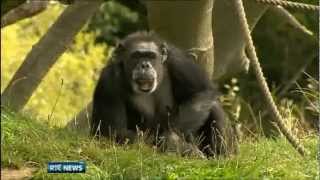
(262,82)
(289,4)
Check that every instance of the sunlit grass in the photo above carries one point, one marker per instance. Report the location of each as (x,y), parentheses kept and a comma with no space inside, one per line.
(26,142)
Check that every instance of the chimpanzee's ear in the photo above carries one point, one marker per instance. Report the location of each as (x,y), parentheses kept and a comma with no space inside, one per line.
(119,48)
(164,52)
(116,54)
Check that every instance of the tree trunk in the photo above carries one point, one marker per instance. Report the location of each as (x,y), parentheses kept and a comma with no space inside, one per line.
(23,11)
(7,5)
(45,53)
(186,24)
(287,17)
(229,50)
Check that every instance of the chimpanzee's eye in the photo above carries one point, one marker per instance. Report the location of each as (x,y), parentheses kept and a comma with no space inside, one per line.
(136,55)
(143,54)
(151,55)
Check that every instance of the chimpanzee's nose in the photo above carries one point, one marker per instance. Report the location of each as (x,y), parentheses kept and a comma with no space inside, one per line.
(145,65)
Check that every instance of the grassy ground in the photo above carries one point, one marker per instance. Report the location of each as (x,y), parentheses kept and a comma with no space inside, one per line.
(28,143)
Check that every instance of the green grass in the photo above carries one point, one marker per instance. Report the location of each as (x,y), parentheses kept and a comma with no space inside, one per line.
(26,142)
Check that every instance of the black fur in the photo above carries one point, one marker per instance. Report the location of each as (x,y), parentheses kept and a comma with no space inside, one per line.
(185,101)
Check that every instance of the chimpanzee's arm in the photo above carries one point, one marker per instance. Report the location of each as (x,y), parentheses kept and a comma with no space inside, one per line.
(109,116)
(192,90)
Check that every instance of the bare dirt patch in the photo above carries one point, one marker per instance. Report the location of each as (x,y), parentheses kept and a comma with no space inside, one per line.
(15,174)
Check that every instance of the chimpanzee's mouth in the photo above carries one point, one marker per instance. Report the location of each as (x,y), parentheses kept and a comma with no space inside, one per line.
(145,85)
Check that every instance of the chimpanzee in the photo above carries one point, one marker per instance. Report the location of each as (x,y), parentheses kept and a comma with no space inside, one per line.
(151,85)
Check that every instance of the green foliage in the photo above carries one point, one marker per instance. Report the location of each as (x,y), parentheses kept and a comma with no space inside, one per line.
(301,118)
(26,142)
(114,21)
(311,103)
(68,86)
(311,93)
(282,51)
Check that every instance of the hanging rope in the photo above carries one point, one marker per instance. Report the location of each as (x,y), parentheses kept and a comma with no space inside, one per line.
(262,82)
(289,4)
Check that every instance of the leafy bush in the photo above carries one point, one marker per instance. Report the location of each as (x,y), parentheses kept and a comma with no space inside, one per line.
(69,84)
(115,21)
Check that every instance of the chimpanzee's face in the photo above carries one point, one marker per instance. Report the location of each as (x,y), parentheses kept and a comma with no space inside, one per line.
(143,65)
